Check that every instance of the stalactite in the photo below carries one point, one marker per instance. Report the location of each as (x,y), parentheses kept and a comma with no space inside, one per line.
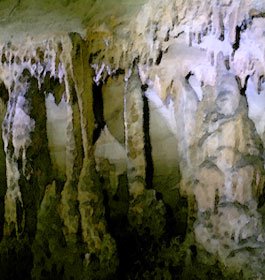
(141,198)
(134,139)
(69,201)
(99,243)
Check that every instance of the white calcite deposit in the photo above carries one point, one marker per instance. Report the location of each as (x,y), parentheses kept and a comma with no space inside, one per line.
(203,65)
(38,58)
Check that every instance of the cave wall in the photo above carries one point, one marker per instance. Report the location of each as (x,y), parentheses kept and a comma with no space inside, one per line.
(132,141)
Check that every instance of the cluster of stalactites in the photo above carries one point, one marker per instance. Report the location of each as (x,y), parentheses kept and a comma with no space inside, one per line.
(203,28)
(38,59)
(51,56)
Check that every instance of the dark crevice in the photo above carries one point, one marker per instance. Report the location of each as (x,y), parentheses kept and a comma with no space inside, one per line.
(3,58)
(155,31)
(261,200)
(242,89)
(79,229)
(144,87)
(93,55)
(222,35)
(159,57)
(98,110)
(77,51)
(135,63)
(188,76)
(199,38)
(149,171)
(227,64)
(159,196)
(117,73)
(180,33)
(237,39)
(260,83)
(171,228)
(52,85)
(59,185)
(239,29)
(167,36)
(74,95)
(4,93)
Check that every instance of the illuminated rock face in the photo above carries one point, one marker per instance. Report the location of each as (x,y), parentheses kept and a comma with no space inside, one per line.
(132,141)
(228,179)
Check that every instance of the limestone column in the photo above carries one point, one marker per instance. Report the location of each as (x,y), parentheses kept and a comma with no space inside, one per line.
(142,200)
(90,196)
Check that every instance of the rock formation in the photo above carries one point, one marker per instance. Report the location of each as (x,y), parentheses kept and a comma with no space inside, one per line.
(132,139)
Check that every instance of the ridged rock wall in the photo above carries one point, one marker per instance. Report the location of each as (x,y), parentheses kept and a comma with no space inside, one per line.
(132,144)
